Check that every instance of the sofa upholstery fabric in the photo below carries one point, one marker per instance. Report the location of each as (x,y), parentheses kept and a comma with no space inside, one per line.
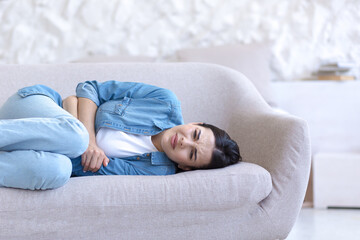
(259,198)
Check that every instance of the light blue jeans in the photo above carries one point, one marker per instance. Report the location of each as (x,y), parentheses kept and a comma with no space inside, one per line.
(37,140)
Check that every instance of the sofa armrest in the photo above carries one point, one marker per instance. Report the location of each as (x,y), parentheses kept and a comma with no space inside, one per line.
(279,143)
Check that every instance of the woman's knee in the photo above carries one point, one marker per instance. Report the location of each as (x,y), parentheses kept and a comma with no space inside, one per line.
(51,171)
(60,172)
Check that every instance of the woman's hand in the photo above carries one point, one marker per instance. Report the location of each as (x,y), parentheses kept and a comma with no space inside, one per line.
(93,158)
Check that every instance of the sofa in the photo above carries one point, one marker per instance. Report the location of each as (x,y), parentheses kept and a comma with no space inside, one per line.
(259,198)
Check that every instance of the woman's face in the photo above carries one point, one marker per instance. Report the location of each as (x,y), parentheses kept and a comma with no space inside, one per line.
(190,145)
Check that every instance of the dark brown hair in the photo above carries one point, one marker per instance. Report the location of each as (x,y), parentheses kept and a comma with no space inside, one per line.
(226,151)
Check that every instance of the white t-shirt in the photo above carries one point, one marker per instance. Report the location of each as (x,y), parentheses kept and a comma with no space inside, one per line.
(116,143)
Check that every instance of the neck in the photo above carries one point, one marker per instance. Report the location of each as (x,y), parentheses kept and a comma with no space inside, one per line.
(156,140)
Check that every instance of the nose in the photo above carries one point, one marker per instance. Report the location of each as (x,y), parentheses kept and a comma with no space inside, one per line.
(184,142)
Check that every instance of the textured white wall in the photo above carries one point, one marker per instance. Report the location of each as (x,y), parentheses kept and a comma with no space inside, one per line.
(304,32)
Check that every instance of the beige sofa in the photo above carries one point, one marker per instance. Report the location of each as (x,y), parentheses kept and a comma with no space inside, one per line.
(259,198)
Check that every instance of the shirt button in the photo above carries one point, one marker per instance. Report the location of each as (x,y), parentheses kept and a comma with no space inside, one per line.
(137,158)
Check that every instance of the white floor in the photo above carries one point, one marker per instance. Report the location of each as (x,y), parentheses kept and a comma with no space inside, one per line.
(327,224)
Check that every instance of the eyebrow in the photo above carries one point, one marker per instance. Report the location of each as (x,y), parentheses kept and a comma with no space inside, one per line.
(196,148)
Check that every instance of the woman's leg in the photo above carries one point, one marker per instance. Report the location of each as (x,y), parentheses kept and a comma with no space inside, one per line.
(37,138)
(37,123)
(28,169)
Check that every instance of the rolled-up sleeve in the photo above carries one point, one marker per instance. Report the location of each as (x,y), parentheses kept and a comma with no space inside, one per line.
(86,90)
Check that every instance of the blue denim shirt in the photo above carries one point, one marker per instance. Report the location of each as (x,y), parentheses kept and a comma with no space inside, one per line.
(136,108)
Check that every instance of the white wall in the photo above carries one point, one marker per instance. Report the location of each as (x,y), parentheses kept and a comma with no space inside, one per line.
(304,32)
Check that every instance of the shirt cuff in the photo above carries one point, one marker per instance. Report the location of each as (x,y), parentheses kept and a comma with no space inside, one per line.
(85,90)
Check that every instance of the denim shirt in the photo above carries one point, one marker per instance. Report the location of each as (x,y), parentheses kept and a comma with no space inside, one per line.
(135,108)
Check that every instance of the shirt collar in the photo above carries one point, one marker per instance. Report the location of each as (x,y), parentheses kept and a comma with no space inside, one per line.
(160,158)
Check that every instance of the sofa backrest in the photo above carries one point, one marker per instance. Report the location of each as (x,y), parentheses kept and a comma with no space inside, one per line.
(206,91)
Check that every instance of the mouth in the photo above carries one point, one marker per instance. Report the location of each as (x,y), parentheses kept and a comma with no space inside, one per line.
(174,140)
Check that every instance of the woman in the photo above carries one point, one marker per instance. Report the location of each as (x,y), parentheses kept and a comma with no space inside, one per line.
(120,128)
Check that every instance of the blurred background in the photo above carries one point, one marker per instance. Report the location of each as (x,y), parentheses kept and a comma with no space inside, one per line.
(303,33)
(303,57)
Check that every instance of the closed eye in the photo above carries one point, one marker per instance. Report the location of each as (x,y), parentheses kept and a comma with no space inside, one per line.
(196,138)
(192,154)
(198,134)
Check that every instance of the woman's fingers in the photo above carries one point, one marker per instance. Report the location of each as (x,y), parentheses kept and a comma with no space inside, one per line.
(98,164)
(92,160)
(83,158)
(87,161)
(101,160)
(105,161)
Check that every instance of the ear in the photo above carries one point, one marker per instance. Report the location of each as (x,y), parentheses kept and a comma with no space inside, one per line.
(184,168)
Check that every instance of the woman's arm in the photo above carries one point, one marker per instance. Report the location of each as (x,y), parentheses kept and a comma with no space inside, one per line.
(70,104)
(93,157)
(84,109)
(101,92)
(86,114)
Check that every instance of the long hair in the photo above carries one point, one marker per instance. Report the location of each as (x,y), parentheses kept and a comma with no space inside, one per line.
(226,151)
